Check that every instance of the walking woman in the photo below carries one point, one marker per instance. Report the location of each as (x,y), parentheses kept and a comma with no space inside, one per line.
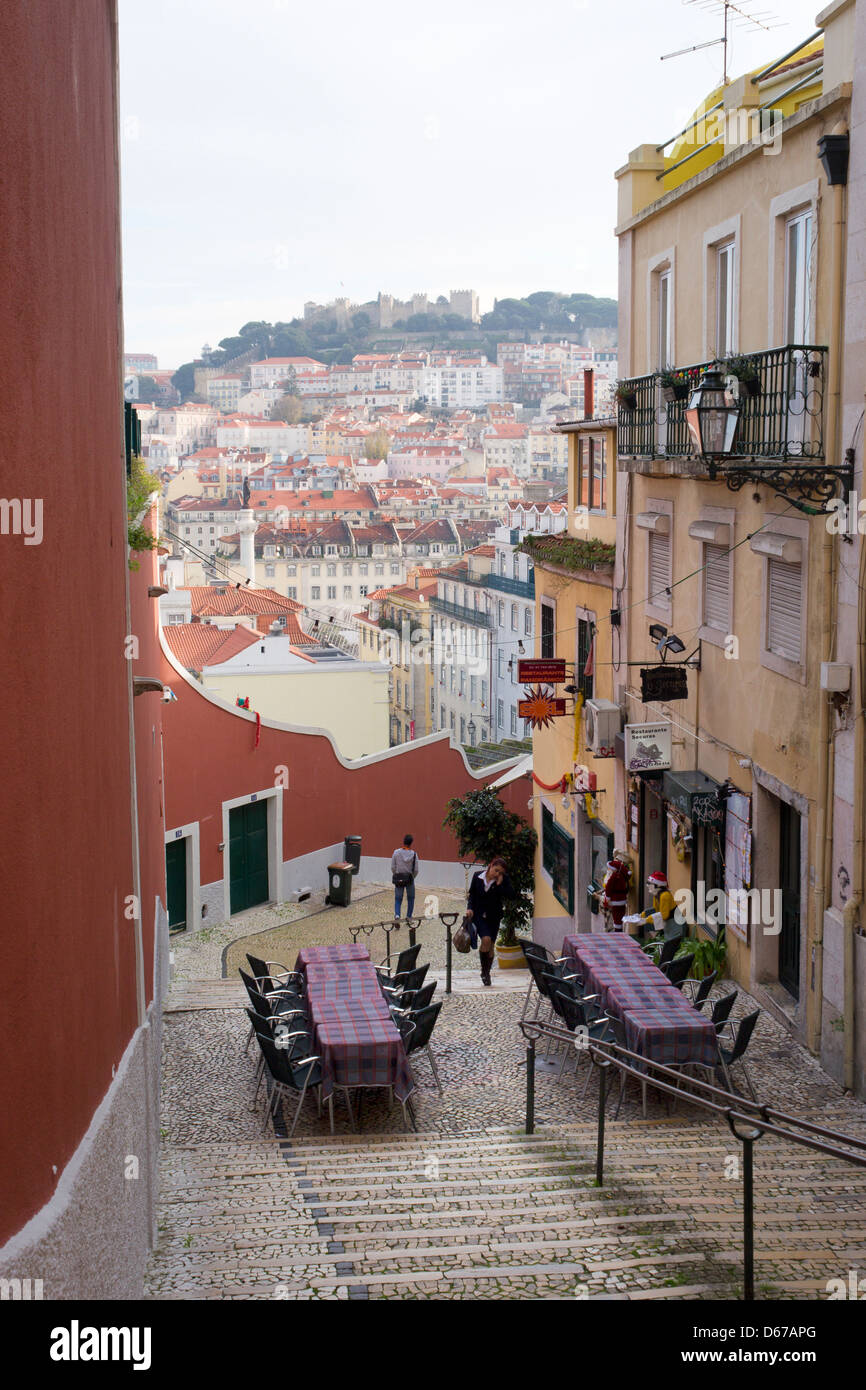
(487,893)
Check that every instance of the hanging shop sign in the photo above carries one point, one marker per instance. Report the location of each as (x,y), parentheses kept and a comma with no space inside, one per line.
(539,708)
(696,796)
(664,683)
(647,747)
(550,670)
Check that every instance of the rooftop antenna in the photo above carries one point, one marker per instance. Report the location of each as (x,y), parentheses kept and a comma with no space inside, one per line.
(742,14)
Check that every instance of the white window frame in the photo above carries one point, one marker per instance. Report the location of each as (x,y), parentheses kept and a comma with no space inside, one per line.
(662,265)
(726,516)
(716,239)
(657,610)
(786,526)
(782,209)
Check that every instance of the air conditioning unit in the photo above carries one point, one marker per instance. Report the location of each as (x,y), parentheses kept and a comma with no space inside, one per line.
(603,721)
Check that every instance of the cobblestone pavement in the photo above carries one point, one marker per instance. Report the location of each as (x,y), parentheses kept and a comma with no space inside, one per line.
(469,1207)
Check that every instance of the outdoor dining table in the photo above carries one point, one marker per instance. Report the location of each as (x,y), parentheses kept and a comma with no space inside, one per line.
(660,1024)
(354,1035)
(330,955)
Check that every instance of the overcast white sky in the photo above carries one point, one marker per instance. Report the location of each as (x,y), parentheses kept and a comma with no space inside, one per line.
(280,151)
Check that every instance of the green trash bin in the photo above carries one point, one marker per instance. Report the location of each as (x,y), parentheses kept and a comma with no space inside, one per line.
(339,884)
(352,851)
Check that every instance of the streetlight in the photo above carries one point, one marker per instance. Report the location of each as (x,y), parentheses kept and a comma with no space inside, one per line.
(472,730)
(712,418)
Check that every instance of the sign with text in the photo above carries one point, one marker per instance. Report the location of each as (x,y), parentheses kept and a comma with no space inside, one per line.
(549,669)
(664,683)
(539,708)
(647,747)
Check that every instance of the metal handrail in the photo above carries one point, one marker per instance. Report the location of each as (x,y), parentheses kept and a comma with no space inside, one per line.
(765,72)
(758,1117)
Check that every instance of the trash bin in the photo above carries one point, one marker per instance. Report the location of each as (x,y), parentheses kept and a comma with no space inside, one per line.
(352,851)
(339,884)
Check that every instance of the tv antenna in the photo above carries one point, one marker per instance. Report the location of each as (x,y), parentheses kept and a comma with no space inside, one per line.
(743,14)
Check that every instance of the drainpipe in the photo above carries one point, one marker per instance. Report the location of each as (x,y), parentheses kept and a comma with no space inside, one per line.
(852,910)
(833,153)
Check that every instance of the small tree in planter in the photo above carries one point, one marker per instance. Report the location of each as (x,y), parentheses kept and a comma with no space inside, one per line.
(484,828)
(744,370)
(625,395)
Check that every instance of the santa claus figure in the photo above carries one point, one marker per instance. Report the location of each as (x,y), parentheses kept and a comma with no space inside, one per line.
(614,894)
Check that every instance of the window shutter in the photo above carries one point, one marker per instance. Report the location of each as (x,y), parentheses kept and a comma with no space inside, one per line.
(717,589)
(784,609)
(659,569)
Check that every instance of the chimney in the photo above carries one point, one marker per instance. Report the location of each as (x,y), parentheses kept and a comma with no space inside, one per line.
(588,393)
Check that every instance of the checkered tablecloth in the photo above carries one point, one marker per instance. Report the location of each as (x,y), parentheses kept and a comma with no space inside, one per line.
(660,1022)
(345,980)
(323,955)
(359,1046)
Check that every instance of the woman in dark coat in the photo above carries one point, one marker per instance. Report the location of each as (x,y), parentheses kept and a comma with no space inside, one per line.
(487,893)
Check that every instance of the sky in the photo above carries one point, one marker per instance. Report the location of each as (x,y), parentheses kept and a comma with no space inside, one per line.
(284,151)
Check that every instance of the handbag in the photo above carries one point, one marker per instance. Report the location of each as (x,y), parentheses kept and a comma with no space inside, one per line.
(461,939)
(403,880)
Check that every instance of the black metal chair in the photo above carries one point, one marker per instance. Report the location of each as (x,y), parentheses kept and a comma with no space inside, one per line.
(407,982)
(276,976)
(279,1003)
(288,1077)
(577,1013)
(620,1039)
(290,1041)
(538,958)
(668,951)
(678,970)
(418,998)
(406,961)
(736,1052)
(702,994)
(424,1021)
(722,1009)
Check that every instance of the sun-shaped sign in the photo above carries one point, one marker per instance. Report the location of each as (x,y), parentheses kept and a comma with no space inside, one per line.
(539,708)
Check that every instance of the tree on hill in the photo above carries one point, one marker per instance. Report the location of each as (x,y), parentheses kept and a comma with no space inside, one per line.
(183,380)
(377,444)
(289,408)
(148,390)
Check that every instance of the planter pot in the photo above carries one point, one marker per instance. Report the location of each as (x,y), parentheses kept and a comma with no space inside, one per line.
(511,958)
(628,402)
(682,391)
(669,395)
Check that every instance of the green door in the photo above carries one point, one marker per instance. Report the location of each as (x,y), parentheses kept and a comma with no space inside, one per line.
(248,855)
(175,883)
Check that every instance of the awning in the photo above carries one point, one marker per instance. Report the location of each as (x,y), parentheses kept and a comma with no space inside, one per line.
(659,522)
(522,768)
(713,532)
(695,795)
(778,547)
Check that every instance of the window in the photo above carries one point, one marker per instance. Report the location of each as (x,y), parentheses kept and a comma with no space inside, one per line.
(798,298)
(592,474)
(501,613)
(473,689)
(441,716)
(584,646)
(513,721)
(515,568)
(557,859)
(379,569)
(363,590)
(332,591)
(291,571)
(514,616)
(315,592)
(725,279)
(347,591)
(501,661)
(316,570)
(664,350)
(399,692)
(362,569)
(785,609)
(462,728)
(717,588)
(527,622)
(659,569)
(500,714)
(332,570)
(483,694)
(291,591)
(395,569)
(548,633)
(270,571)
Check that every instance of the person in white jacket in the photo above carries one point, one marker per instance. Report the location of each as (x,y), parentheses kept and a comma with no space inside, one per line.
(404,871)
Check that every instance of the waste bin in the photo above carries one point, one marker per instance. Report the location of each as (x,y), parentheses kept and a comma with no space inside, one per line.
(339,884)
(352,851)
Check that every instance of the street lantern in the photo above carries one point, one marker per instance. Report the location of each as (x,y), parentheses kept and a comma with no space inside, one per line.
(472,731)
(713,418)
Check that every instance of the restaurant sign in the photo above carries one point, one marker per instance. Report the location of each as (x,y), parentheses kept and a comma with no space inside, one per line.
(647,747)
(539,708)
(664,683)
(551,670)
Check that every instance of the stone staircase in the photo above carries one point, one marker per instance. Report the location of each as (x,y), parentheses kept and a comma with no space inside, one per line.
(496,1214)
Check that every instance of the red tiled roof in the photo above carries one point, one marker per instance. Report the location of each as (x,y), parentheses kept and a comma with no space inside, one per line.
(199,644)
(209,602)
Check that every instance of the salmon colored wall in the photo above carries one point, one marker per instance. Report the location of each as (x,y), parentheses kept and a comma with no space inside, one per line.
(210,757)
(148,717)
(68,970)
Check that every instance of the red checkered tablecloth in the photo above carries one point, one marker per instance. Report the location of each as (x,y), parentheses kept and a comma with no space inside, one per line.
(330,955)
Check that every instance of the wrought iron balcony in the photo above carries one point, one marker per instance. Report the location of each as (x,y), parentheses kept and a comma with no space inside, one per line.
(780,439)
(520,588)
(782,414)
(461,612)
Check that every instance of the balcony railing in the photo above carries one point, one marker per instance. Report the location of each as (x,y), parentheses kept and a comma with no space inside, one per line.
(781,417)
(461,612)
(520,588)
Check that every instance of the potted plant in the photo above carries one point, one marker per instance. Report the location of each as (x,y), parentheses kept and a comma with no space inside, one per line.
(625,395)
(484,828)
(708,954)
(744,370)
(675,385)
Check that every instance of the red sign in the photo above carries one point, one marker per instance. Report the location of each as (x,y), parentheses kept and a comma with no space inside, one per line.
(539,708)
(550,670)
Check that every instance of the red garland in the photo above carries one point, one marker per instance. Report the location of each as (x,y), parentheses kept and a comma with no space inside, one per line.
(559,786)
(258,728)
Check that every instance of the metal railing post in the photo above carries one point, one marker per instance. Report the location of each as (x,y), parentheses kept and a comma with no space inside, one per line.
(748,1220)
(530,1086)
(602,1099)
(448,920)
